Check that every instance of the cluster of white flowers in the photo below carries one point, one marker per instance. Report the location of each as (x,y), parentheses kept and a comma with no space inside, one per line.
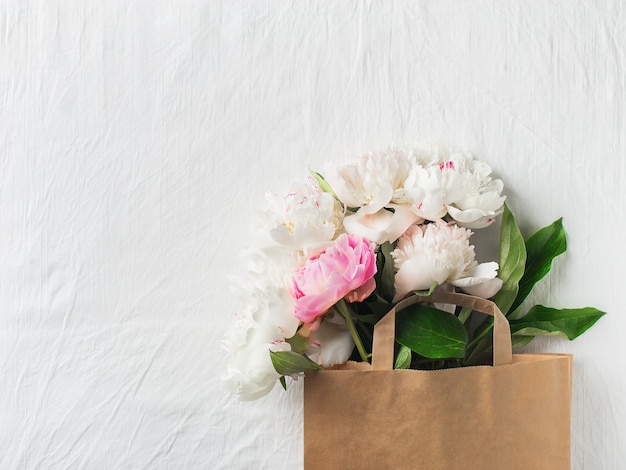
(289,230)
(424,201)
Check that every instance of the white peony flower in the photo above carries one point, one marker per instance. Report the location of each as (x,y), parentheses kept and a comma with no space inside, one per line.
(437,252)
(371,181)
(250,372)
(472,198)
(450,181)
(305,217)
(262,325)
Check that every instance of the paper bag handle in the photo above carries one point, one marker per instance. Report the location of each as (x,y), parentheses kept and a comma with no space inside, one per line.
(384,330)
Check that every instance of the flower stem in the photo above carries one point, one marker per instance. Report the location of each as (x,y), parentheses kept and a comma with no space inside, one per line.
(484,333)
(464,314)
(472,348)
(344,311)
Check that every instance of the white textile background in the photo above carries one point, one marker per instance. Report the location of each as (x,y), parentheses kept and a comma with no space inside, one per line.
(137,137)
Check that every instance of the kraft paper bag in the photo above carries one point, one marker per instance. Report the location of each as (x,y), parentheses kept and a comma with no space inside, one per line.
(512,415)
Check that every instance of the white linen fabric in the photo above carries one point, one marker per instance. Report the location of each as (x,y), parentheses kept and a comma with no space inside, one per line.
(136,138)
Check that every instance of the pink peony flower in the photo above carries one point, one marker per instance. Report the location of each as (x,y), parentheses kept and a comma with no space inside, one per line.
(344,270)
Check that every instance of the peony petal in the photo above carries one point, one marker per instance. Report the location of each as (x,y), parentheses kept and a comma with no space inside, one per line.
(417,273)
(307,308)
(484,270)
(370,181)
(362,293)
(481,281)
(302,236)
(371,226)
(431,207)
(472,218)
(382,226)
(345,193)
(403,218)
(485,289)
(380,200)
(334,341)
(344,267)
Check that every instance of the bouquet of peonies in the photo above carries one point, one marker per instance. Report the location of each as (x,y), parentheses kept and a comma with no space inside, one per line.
(335,254)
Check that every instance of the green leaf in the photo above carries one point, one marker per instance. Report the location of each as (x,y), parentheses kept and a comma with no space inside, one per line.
(291,363)
(403,359)
(517,341)
(477,353)
(378,310)
(565,323)
(323,184)
(512,261)
(541,248)
(385,273)
(283,382)
(298,343)
(431,333)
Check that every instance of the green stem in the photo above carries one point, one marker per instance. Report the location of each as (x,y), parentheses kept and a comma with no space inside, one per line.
(464,314)
(484,333)
(474,347)
(344,311)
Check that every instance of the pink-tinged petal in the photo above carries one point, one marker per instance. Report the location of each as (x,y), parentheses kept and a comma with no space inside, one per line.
(431,207)
(403,218)
(362,293)
(309,329)
(309,307)
(383,225)
(346,266)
